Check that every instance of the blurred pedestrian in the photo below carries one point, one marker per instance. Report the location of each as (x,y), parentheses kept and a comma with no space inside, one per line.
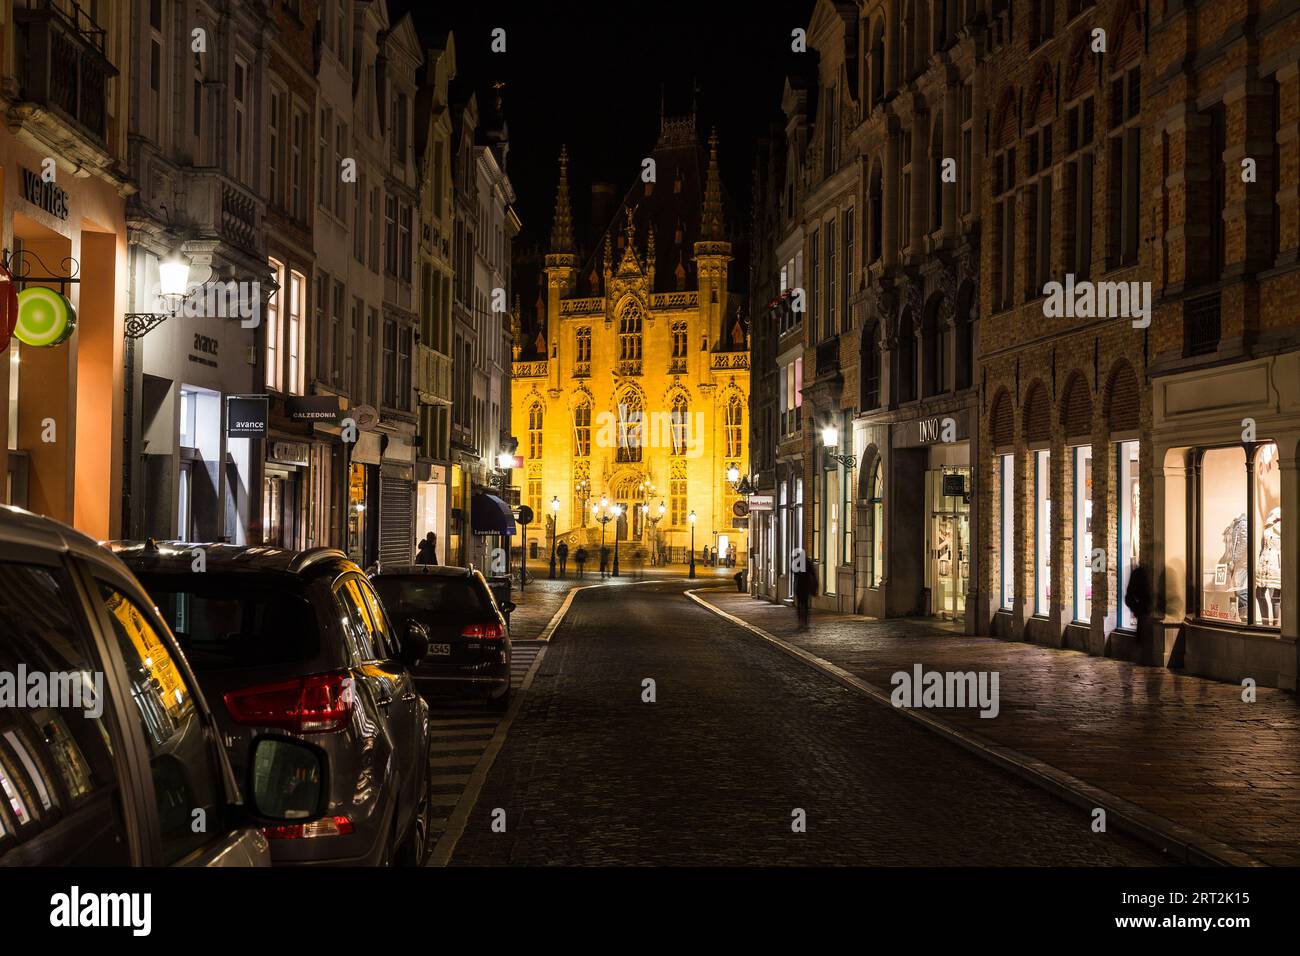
(604,561)
(562,552)
(427,550)
(580,558)
(805,586)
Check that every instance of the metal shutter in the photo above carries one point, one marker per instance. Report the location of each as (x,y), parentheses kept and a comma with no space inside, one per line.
(396,522)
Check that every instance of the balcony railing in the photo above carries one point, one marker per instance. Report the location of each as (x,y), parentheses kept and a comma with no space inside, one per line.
(60,63)
(675,300)
(724,360)
(530,369)
(1202,324)
(432,376)
(588,306)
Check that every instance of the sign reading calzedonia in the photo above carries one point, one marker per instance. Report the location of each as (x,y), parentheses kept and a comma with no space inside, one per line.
(245,416)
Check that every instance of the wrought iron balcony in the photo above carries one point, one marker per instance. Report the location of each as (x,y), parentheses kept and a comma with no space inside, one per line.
(60,64)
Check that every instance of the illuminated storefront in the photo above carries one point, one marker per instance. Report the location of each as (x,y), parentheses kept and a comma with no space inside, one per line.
(1227,499)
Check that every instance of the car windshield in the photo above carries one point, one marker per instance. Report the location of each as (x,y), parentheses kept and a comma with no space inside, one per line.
(225,622)
(424,593)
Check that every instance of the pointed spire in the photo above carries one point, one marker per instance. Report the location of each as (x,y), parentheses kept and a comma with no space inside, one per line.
(562,225)
(711,222)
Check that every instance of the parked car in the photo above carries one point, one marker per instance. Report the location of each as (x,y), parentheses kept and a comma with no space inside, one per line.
(469,642)
(298,643)
(109,755)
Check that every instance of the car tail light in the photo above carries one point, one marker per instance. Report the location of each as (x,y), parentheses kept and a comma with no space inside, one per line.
(326,826)
(317,704)
(483,632)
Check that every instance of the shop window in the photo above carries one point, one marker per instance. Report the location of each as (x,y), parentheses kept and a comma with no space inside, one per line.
(1007,536)
(876,556)
(1241,519)
(1128,526)
(1083,533)
(1042,461)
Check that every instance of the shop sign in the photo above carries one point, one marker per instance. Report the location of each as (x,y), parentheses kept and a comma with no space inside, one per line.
(45,317)
(760,502)
(954,486)
(740,524)
(313,408)
(51,197)
(928,429)
(245,416)
(289,452)
(740,509)
(438,474)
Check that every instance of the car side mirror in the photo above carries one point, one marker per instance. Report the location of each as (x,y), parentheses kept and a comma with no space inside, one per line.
(414,643)
(286,781)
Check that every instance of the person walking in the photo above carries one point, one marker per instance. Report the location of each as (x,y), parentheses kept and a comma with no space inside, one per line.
(805,586)
(562,552)
(427,550)
(604,561)
(580,558)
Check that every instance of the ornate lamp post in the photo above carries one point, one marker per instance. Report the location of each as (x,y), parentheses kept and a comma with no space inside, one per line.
(617,511)
(601,515)
(830,442)
(555,513)
(691,519)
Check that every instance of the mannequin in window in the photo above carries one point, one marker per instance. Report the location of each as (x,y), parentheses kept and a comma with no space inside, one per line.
(1268,572)
(1235,538)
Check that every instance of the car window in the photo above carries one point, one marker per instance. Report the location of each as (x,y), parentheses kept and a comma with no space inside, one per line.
(58,778)
(186,774)
(226,622)
(356,622)
(386,638)
(419,594)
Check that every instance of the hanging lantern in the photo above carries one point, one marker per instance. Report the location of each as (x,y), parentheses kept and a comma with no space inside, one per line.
(45,317)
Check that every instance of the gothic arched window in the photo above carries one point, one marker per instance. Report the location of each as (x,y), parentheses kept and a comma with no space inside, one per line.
(535,417)
(735,427)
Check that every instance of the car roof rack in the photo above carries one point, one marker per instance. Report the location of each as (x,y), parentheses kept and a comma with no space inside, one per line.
(305,559)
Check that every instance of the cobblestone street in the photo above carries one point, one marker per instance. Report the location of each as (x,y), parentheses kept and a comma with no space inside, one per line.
(739,738)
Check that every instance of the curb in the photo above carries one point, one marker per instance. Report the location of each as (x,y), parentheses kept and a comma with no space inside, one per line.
(1182,843)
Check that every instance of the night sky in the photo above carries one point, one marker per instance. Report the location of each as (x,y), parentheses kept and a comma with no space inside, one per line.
(591,75)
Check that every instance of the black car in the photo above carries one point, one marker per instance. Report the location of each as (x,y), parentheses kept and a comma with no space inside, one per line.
(109,755)
(469,642)
(299,644)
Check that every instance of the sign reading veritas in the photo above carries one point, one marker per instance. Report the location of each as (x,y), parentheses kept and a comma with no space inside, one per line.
(49,196)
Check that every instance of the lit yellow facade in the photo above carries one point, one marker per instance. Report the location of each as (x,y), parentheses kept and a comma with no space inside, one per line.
(643,398)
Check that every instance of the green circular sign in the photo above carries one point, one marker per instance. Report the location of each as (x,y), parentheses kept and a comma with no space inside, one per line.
(44,317)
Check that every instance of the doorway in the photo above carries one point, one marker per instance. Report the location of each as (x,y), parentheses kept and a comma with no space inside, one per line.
(948,543)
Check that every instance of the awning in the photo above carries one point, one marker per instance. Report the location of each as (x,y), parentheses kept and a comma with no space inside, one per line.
(488,515)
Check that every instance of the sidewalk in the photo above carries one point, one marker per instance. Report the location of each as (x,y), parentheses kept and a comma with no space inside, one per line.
(1184,748)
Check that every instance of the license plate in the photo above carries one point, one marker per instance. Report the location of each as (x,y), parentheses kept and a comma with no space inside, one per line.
(442,650)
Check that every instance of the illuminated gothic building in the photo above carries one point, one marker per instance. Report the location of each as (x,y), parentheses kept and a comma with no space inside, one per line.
(631,381)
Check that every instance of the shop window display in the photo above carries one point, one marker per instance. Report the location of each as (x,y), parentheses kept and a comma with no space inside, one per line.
(1042,461)
(876,567)
(1083,533)
(1007,544)
(1241,520)
(1128,529)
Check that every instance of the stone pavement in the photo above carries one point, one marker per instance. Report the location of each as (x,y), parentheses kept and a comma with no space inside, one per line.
(1185,748)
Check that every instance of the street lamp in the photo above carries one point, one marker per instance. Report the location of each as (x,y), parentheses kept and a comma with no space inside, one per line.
(601,515)
(733,474)
(831,441)
(691,518)
(618,513)
(555,513)
(173,286)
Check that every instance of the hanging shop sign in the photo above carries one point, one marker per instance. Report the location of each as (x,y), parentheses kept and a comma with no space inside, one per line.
(245,416)
(366,417)
(954,486)
(760,502)
(740,509)
(45,317)
(8,306)
(289,452)
(314,408)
